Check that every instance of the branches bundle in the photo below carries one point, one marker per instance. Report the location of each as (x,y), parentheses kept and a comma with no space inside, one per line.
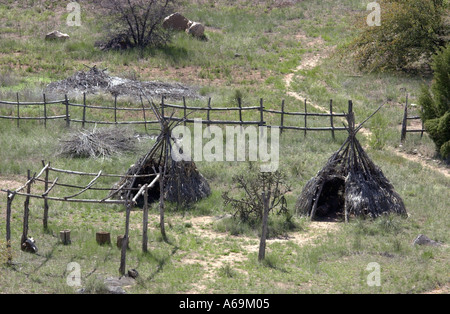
(98,143)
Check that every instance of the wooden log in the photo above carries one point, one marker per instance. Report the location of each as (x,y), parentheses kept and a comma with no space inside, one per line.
(64,236)
(103,238)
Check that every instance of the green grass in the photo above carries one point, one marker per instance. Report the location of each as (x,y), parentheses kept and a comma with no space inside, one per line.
(220,256)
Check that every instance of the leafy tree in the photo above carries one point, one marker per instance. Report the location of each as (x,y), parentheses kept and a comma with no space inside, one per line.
(435,103)
(411,31)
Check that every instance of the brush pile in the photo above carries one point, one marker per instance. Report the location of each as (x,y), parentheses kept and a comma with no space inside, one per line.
(96,81)
(98,143)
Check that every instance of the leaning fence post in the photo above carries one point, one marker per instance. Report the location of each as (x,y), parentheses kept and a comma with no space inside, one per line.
(67,111)
(331,118)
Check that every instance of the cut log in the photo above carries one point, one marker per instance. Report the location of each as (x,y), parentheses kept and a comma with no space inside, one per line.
(64,236)
(103,237)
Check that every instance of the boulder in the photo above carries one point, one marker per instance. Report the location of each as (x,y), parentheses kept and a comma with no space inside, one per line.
(196,29)
(56,35)
(176,21)
(424,240)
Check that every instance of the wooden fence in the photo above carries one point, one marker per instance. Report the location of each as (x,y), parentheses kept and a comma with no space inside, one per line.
(188,114)
(50,186)
(405,120)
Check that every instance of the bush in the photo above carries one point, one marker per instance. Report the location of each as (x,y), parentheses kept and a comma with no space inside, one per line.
(136,23)
(435,103)
(411,31)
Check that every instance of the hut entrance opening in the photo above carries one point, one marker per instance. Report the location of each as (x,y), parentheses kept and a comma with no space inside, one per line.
(331,202)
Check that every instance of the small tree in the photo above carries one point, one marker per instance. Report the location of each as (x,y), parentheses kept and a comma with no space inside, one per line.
(136,23)
(263,193)
(436,103)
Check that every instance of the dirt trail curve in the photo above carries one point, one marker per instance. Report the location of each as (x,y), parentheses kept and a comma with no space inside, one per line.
(312,59)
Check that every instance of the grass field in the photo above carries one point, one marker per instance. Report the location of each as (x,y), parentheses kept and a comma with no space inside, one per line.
(254,49)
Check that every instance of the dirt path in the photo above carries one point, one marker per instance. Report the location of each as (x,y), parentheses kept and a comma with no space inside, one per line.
(313,59)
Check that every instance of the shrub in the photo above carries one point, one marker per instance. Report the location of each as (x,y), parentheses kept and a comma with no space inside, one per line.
(136,23)
(435,103)
(411,31)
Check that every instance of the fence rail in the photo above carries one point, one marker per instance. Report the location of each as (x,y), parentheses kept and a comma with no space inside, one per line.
(147,116)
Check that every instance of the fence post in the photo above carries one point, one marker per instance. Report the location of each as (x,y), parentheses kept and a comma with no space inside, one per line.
(26,211)
(306,118)
(67,111)
(9,200)
(143,112)
(115,109)
(240,109)
(123,254)
(261,111)
(185,111)
(162,107)
(405,121)
(331,118)
(84,110)
(45,219)
(208,112)
(282,116)
(45,111)
(18,110)
(145,221)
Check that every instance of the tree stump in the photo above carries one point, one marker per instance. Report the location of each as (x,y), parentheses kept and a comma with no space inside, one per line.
(120,242)
(103,237)
(64,236)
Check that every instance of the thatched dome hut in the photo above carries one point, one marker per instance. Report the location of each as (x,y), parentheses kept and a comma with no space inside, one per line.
(350,184)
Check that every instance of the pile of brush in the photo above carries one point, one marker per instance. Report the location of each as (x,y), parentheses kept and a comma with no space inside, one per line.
(98,143)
